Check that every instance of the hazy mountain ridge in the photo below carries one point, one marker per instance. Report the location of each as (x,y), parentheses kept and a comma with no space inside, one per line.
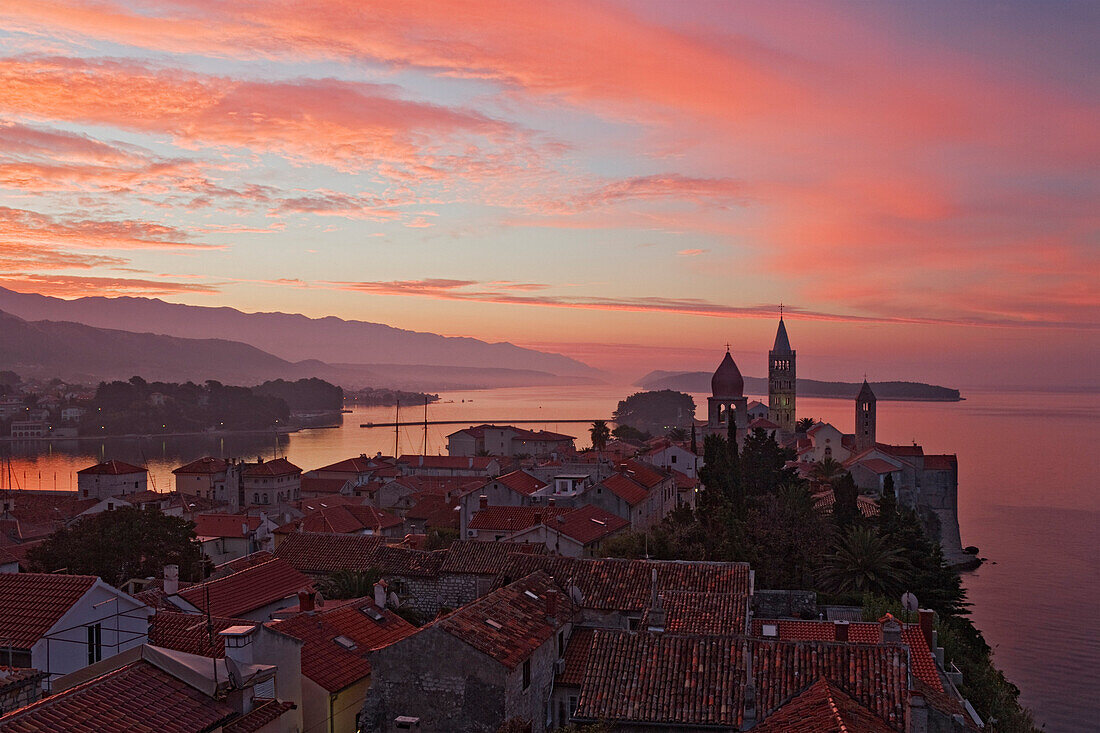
(289,336)
(696,382)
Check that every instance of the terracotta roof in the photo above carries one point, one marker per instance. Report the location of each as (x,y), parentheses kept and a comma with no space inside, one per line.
(334,665)
(323,485)
(312,504)
(510,623)
(763,423)
(277,467)
(247,590)
(690,612)
(359,464)
(626,585)
(588,523)
(876,675)
(187,632)
(14,677)
(941,462)
(484,558)
(240,563)
(901,450)
(521,482)
(663,679)
(441,485)
(514,518)
(112,468)
(321,554)
(433,509)
(822,708)
(625,488)
(643,473)
(683,481)
(342,519)
(453,463)
(576,658)
(119,702)
(225,525)
(263,713)
(31,603)
(877,465)
(865,632)
(867,506)
(206,465)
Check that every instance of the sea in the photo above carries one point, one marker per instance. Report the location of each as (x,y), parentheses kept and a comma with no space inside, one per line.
(1028,500)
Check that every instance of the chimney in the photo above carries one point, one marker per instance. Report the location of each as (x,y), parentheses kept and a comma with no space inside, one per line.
(550,501)
(244,529)
(552,603)
(306,600)
(538,518)
(380,594)
(171,579)
(925,616)
(840,631)
(238,643)
(657,616)
(748,719)
(483,502)
(916,713)
(891,629)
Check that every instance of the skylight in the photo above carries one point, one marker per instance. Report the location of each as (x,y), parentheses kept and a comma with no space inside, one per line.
(770,630)
(531,595)
(494,624)
(345,642)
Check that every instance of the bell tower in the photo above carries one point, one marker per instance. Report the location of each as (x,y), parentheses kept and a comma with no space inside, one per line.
(865,417)
(781,380)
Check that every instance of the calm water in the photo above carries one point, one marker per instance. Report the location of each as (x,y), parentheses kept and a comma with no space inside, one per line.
(1027,499)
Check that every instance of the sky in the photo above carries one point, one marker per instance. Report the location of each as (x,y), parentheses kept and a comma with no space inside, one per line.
(634,184)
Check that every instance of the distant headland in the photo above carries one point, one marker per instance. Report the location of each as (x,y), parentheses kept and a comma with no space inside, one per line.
(896,391)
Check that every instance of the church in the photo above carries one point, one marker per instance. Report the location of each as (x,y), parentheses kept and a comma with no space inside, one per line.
(728,402)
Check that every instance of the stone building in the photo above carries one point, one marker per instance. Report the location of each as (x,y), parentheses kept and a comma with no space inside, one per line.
(782,381)
(727,401)
(866,417)
(111,478)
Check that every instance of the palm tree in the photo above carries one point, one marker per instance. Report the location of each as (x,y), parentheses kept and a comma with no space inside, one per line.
(349,583)
(825,470)
(804,424)
(863,563)
(600,434)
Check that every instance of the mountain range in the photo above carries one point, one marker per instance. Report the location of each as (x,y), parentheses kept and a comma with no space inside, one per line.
(97,337)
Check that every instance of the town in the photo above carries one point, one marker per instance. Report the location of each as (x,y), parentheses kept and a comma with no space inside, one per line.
(500,587)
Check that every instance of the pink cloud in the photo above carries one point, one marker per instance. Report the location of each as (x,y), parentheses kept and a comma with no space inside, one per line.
(69,286)
(20,227)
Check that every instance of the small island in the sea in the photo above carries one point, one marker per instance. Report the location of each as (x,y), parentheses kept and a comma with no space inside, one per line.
(699,382)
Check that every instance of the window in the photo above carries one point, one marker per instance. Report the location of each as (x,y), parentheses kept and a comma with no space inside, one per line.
(674,459)
(526,673)
(95,643)
(561,643)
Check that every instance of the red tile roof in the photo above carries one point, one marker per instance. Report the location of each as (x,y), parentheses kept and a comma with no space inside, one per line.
(277,467)
(321,554)
(664,679)
(683,481)
(576,658)
(522,482)
(206,465)
(941,462)
(31,603)
(120,702)
(325,660)
(508,624)
(342,519)
(626,585)
(323,485)
(484,558)
(247,590)
(644,473)
(240,563)
(877,465)
(514,518)
(433,509)
(867,506)
(867,632)
(763,423)
(112,468)
(625,488)
(588,524)
(901,450)
(263,713)
(453,463)
(225,525)
(823,708)
(689,612)
(187,632)
(359,464)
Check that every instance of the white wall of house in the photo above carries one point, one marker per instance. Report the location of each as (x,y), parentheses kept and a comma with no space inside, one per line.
(73,642)
(101,486)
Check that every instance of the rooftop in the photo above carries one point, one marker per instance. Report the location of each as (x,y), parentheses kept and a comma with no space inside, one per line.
(823,707)
(277,467)
(514,518)
(32,603)
(484,558)
(112,468)
(246,590)
(205,465)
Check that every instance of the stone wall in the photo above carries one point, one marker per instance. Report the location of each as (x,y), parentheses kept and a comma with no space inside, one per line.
(19,687)
(433,676)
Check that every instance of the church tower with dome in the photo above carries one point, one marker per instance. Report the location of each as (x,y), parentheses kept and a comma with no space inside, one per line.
(727,401)
(781,380)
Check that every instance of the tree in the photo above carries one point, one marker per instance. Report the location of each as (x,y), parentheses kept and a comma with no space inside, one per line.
(826,470)
(864,562)
(625,432)
(804,423)
(846,501)
(600,434)
(655,412)
(122,544)
(763,464)
(349,583)
(677,434)
(888,505)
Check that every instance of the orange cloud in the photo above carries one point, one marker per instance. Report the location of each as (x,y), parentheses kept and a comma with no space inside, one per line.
(68,286)
(19,228)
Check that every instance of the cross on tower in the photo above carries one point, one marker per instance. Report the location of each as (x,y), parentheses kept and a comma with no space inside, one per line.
(727,346)
(780,310)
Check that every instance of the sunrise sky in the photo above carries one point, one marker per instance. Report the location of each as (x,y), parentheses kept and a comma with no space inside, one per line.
(633,184)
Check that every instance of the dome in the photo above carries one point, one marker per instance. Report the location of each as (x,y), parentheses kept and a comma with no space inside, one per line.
(727,380)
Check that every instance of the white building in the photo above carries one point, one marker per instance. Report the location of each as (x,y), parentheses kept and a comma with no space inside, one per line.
(58,624)
(111,478)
